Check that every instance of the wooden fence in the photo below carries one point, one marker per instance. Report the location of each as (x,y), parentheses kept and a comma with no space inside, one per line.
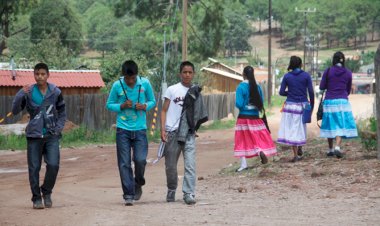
(90,110)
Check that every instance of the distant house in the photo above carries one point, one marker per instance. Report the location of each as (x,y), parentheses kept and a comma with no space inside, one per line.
(221,78)
(71,82)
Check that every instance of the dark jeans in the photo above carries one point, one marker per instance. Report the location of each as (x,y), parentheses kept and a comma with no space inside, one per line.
(48,147)
(125,141)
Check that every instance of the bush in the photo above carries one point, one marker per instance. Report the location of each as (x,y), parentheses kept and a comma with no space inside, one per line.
(367,133)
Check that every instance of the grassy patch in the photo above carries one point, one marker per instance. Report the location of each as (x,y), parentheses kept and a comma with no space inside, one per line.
(218,124)
(82,136)
(367,133)
(12,142)
(276,101)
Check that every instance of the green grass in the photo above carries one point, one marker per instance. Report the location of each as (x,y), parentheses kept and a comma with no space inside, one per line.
(218,124)
(82,136)
(276,101)
(12,142)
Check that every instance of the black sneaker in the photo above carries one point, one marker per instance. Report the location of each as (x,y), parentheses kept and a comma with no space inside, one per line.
(138,192)
(170,197)
(263,157)
(296,159)
(38,204)
(128,202)
(299,151)
(338,154)
(189,199)
(330,154)
(47,201)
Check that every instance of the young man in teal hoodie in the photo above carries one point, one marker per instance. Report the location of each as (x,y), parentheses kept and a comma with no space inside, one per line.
(46,107)
(131,97)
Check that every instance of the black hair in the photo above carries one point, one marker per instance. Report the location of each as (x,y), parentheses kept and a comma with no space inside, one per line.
(254,96)
(41,66)
(186,63)
(338,58)
(295,62)
(129,68)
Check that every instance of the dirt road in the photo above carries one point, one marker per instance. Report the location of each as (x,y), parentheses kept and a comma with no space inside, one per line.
(315,191)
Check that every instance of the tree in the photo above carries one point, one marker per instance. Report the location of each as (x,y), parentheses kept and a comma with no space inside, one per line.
(102,28)
(377,77)
(9,11)
(206,29)
(58,17)
(51,51)
(237,34)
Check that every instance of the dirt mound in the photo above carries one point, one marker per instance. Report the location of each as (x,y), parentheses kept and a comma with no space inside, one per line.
(69,125)
(24,119)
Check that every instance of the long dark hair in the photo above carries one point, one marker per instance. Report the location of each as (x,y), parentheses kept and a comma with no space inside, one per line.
(254,96)
(338,58)
(295,62)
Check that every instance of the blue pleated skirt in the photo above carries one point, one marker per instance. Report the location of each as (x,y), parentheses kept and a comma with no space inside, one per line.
(338,119)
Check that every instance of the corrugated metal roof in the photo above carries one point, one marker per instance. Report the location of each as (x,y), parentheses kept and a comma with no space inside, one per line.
(260,77)
(224,73)
(62,78)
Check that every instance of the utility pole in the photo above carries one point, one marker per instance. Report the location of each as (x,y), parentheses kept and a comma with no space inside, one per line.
(305,12)
(184,30)
(269,52)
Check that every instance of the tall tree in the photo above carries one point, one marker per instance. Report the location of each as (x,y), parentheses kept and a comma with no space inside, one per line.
(9,11)
(102,27)
(377,77)
(58,17)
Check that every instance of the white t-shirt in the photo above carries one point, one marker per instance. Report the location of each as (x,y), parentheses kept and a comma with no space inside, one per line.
(176,94)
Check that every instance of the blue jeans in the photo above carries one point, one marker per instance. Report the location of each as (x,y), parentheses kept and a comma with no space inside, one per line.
(172,152)
(48,147)
(125,141)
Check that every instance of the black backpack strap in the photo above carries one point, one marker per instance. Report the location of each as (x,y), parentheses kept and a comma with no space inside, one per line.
(125,93)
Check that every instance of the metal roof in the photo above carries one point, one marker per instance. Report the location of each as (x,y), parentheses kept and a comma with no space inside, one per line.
(61,78)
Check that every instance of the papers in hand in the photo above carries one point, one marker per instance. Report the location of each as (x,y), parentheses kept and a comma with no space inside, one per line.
(160,152)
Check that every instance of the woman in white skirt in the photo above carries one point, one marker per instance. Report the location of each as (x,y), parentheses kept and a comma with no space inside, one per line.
(295,85)
(338,121)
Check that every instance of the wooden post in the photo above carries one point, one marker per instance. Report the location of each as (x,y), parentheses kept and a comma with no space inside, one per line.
(377,77)
(184,30)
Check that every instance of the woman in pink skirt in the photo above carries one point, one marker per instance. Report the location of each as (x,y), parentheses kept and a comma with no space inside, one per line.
(252,137)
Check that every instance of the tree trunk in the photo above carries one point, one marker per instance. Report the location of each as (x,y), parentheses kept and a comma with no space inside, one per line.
(377,77)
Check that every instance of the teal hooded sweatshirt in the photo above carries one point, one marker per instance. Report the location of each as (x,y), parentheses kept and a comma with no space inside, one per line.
(130,118)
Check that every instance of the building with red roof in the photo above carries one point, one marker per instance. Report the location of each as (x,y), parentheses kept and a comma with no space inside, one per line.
(71,82)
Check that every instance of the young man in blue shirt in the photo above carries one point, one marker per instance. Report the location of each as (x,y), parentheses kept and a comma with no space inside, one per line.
(131,97)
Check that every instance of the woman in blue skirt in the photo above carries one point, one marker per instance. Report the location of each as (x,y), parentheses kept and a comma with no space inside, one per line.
(338,121)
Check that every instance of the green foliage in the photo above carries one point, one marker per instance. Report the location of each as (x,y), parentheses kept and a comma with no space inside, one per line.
(277,101)
(50,13)
(206,24)
(111,65)
(12,142)
(367,132)
(219,124)
(82,136)
(237,33)
(77,137)
(352,65)
(51,51)
(368,57)
(9,12)
(102,27)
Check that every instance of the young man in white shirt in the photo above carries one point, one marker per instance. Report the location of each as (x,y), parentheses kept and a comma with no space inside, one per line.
(173,118)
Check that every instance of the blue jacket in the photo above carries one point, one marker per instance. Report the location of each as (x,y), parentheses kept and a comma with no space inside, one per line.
(130,118)
(242,99)
(299,85)
(49,116)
